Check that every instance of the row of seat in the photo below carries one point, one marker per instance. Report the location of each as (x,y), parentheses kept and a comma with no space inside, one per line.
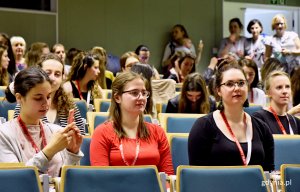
(285,152)
(147,179)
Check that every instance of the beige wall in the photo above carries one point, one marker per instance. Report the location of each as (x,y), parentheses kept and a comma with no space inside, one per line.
(121,25)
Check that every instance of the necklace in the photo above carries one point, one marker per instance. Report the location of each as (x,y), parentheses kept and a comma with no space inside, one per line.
(29,138)
(137,151)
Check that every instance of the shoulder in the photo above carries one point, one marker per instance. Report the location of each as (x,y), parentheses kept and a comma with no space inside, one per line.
(105,129)
(9,128)
(155,130)
(174,100)
(291,34)
(67,86)
(204,122)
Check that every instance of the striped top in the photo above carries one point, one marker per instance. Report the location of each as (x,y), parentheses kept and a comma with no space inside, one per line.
(62,119)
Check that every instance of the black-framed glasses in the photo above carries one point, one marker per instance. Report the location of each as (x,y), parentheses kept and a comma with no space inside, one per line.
(231,84)
(136,93)
(279,23)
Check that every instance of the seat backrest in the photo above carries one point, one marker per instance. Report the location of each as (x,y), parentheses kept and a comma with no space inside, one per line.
(286,150)
(85,148)
(94,119)
(252,109)
(179,149)
(2,91)
(5,106)
(110,178)
(178,122)
(217,178)
(19,178)
(102,105)
(290,177)
(81,105)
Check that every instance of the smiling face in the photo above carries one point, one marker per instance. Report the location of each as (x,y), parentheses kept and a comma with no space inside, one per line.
(129,102)
(54,69)
(279,25)
(235,95)
(279,90)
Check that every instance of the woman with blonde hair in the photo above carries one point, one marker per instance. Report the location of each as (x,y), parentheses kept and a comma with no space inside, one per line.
(278,88)
(283,45)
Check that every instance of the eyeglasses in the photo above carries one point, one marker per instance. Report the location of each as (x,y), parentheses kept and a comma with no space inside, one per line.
(231,84)
(279,24)
(136,93)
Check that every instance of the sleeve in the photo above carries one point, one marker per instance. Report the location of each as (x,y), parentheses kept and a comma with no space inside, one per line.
(268,144)
(17,110)
(171,107)
(165,163)
(207,75)
(100,146)
(10,153)
(79,121)
(200,142)
(71,158)
(222,46)
(167,53)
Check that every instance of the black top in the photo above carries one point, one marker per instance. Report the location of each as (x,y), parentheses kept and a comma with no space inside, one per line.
(269,118)
(173,104)
(76,94)
(208,146)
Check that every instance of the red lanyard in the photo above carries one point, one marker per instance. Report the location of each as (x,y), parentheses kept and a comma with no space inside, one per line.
(137,151)
(29,138)
(278,121)
(78,86)
(234,138)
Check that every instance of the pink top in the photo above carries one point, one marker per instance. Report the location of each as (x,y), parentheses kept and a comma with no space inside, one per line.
(105,148)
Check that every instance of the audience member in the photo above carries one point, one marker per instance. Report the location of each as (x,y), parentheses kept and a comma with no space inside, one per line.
(229,136)
(278,88)
(185,64)
(19,47)
(61,104)
(284,45)
(178,32)
(255,95)
(234,44)
(194,97)
(255,47)
(4,40)
(272,64)
(143,53)
(126,139)
(27,139)
(59,50)
(34,53)
(127,60)
(5,77)
(106,77)
(82,80)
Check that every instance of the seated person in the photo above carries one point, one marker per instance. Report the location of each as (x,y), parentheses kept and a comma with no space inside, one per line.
(229,136)
(194,97)
(278,88)
(126,139)
(29,140)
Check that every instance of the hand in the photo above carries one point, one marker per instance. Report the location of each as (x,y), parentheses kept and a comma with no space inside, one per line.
(75,140)
(286,52)
(294,110)
(213,63)
(200,46)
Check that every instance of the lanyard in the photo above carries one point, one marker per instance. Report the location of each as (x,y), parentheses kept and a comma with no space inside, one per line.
(29,138)
(80,94)
(280,124)
(248,136)
(137,151)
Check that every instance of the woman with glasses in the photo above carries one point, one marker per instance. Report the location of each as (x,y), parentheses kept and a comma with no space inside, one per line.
(229,136)
(283,45)
(194,97)
(126,139)
(278,88)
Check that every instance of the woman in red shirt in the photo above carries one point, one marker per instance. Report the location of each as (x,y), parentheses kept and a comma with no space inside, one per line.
(126,139)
